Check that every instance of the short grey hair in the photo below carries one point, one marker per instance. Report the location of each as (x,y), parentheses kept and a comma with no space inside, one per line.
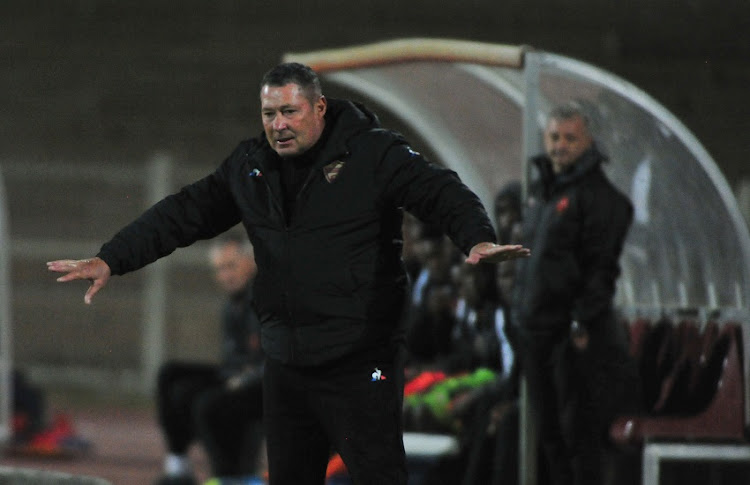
(569,110)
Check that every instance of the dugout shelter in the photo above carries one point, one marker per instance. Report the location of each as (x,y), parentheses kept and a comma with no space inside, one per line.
(480,110)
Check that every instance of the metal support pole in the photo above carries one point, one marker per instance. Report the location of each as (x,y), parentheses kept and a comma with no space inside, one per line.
(527,445)
(6,347)
(155,286)
(527,455)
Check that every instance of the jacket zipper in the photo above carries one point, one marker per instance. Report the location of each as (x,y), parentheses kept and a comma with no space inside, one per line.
(285,294)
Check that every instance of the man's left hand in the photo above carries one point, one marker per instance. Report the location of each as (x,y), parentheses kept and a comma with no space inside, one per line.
(488,252)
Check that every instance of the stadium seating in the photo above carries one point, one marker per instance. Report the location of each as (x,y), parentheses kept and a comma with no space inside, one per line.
(694,394)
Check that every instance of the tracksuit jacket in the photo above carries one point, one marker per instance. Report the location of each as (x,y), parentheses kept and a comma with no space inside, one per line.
(330,281)
(575,224)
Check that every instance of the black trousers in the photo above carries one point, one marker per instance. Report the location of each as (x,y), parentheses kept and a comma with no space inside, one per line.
(574,395)
(493,459)
(194,404)
(351,406)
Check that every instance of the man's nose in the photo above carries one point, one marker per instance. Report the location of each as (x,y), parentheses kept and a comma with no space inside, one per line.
(279,123)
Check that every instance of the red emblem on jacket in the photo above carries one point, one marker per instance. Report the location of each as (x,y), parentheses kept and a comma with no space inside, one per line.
(562,205)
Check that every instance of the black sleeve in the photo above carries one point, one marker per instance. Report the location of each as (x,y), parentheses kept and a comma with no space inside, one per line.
(435,195)
(198,211)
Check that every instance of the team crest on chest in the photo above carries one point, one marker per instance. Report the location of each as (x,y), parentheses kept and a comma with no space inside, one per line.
(331,171)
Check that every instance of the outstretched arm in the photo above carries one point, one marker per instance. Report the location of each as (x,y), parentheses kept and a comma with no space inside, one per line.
(95,270)
(487,252)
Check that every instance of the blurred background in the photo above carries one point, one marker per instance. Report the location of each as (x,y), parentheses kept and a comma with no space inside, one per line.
(106,106)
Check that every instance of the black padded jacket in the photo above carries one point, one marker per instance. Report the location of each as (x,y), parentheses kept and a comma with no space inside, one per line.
(575,224)
(331,280)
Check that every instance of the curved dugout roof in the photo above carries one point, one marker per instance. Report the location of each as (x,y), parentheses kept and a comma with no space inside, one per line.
(481,107)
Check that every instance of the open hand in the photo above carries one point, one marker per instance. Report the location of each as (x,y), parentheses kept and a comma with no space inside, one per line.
(488,252)
(95,270)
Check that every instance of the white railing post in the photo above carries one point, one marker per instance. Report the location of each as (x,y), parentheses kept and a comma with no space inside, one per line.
(6,346)
(158,184)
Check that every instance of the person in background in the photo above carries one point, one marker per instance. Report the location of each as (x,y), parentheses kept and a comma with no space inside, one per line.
(321,194)
(489,414)
(574,353)
(412,252)
(474,341)
(507,210)
(431,314)
(484,416)
(220,405)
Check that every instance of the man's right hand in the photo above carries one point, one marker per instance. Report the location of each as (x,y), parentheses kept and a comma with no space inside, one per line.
(95,270)
(488,252)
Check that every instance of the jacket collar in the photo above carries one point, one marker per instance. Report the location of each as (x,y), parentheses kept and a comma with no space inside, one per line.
(346,119)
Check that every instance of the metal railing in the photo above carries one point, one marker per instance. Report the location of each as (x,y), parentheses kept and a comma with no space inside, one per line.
(6,359)
(27,246)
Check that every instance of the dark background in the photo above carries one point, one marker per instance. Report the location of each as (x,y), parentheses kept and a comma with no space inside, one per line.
(112,82)
(91,91)
(88,80)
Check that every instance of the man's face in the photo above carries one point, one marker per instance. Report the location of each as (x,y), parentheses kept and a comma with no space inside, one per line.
(565,140)
(232,267)
(292,123)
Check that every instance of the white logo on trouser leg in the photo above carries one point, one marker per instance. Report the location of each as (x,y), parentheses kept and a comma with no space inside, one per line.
(377,375)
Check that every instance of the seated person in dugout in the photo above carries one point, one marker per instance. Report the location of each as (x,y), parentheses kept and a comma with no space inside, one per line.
(218,405)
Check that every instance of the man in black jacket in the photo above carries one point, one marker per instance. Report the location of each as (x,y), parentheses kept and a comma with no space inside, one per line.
(321,197)
(574,352)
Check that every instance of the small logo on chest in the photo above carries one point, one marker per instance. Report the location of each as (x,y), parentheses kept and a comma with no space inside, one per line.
(331,171)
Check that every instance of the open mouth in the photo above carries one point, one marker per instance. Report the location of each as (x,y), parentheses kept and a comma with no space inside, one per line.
(284,140)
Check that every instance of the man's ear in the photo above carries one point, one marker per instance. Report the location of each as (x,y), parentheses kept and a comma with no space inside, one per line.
(321,105)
